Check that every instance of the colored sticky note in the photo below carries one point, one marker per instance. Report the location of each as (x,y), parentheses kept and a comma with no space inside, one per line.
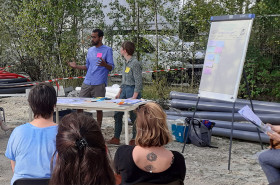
(220,43)
(211,43)
(99,55)
(217,59)
(210,57)
(127,69)
(211,49)
(218,50)
(207,71)
(208,63)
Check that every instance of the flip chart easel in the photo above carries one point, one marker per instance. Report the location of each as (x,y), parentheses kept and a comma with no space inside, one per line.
(224,60)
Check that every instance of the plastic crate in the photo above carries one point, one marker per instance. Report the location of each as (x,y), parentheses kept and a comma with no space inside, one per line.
(178,132)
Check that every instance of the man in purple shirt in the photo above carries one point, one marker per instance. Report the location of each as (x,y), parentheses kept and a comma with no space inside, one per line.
(99,63)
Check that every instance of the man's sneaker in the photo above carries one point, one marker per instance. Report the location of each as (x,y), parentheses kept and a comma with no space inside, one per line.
(114,141)
(132,142)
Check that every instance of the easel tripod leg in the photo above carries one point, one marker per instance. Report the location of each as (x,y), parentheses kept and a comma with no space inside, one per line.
(186,136)
(231,133)
(249,94)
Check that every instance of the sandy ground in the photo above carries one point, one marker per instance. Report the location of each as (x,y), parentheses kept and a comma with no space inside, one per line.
(204,165)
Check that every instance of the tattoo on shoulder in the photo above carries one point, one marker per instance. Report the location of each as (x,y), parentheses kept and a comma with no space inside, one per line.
(149,168)
(151,156)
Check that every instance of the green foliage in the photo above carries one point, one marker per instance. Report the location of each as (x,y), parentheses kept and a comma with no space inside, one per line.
(159,90)
(41,36)
(262,60)
(263,80)
(133,20)
(258,76)
(45,35)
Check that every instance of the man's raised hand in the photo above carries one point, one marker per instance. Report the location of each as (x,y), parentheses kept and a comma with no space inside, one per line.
(72,64)
(102,62)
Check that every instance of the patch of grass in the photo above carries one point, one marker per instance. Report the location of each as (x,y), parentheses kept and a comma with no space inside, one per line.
(160,90)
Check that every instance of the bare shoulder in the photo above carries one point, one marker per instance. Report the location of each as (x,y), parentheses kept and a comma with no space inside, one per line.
(152,159)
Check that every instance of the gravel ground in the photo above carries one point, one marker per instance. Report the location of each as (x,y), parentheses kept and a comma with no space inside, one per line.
(204,165)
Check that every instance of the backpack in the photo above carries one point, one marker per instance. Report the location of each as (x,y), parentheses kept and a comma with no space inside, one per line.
(200,132)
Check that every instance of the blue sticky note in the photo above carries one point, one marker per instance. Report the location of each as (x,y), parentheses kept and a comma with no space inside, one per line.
(220,43)
(211,49)
(212,43)
(210,57)
(217,58)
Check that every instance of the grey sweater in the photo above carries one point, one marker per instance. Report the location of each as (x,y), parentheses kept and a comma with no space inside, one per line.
(132,74)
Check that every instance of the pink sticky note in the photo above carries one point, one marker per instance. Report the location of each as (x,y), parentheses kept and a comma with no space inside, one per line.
(99,55)
(207,71)
(218,50)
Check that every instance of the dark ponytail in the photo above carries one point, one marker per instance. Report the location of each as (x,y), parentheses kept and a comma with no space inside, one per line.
(82,157)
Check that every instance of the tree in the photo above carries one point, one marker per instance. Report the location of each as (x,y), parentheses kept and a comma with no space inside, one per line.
(47,34)
(262,61)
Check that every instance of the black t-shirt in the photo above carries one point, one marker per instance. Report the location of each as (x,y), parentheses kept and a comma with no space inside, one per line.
(131,174)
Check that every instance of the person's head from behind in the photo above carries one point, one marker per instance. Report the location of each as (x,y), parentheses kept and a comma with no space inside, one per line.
(127,48)
(96,37)
(42,100)
(82,154)
(151,126)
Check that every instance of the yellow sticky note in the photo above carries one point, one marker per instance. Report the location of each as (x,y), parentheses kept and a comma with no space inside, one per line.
(127,69)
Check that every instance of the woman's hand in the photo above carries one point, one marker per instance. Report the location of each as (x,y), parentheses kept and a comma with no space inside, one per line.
(275,128)
(274,136)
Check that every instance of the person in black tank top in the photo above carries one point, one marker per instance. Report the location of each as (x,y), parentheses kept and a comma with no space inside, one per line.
(149,161)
